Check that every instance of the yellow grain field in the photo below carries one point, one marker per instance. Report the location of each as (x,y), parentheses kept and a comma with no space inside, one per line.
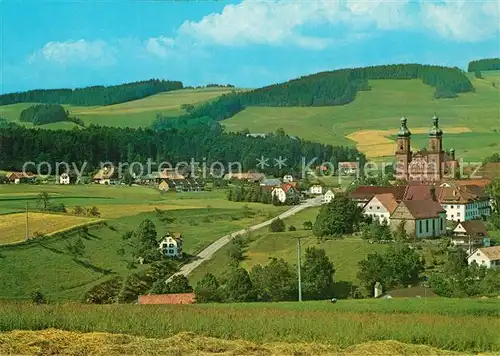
(376,143)
(13,226)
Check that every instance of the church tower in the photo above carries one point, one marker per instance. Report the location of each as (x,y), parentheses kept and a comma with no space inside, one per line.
(403,150)
(435,151)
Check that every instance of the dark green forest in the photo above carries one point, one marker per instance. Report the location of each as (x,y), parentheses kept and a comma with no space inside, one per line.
(323,89)
(93,95)
(43,114)
(484,64)
(96,144)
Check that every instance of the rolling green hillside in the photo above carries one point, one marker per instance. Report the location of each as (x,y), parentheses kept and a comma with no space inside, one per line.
(471,121)
(137,113)
(380,109)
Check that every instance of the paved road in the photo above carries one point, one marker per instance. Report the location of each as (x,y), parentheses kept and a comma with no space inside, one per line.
(207,253)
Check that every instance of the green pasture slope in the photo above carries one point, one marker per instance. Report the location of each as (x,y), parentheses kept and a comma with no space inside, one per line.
(46,265)
(137,113)
(381,108)
(465,325)
(344,253)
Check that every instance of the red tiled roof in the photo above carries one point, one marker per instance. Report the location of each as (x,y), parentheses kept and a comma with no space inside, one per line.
(350,165)
(422,209)
(180,298)
(387,201)
(421,192)
(474,228)
(368,192)
(287,186)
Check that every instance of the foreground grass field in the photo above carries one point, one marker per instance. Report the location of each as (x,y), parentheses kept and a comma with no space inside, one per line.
(46,264)
(458,325)
(381,108)
(53,341)
(137,113)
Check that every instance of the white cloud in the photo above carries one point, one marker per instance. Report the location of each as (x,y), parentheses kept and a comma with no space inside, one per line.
(280,22)
(73,52)
(159,46)
(462,20)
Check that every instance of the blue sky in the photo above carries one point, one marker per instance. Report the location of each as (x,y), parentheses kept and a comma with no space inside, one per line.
(53,44)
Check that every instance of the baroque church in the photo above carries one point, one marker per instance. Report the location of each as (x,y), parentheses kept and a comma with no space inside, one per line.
(429,164)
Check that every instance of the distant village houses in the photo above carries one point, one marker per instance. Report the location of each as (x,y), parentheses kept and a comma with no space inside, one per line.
(20,177)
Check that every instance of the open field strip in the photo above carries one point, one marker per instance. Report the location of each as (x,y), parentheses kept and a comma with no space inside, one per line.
(375,143)
(13,226)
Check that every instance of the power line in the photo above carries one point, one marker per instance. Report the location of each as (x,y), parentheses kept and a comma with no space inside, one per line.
(298,269)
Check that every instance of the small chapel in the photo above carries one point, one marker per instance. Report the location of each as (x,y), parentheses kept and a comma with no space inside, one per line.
(428,164)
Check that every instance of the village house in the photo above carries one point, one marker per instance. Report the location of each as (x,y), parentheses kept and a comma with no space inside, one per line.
(470,233)
(423,218)
(105,175)
(287,178)
(171,245)
(464,203)
(249,176)
(461,202)
(380,207)
(488,257)
(20,177)
(64,179)
(178,298)
(363,194)
(328,196)
(348,168)
(316,189)
(284,191)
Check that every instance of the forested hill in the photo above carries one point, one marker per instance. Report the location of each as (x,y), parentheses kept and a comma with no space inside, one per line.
(94,95)
(484,64)
(337,87)
(203,143)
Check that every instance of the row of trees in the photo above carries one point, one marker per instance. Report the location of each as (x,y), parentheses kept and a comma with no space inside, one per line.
(251,193)
(458,279)
(484,64)
(340,217)
(276,281)
(46,114)
(93,95)
(203,143)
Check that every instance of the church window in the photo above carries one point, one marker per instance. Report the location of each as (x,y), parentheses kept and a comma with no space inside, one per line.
(442,223)
(420,226)
(426,225)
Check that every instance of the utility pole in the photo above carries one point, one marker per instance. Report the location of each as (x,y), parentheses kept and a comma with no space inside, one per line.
(298,269)
(27,223)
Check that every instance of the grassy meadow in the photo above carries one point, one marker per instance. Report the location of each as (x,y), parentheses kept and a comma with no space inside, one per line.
(137,113)
(458,325)
(381,109)
(344,253)
(45,264)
